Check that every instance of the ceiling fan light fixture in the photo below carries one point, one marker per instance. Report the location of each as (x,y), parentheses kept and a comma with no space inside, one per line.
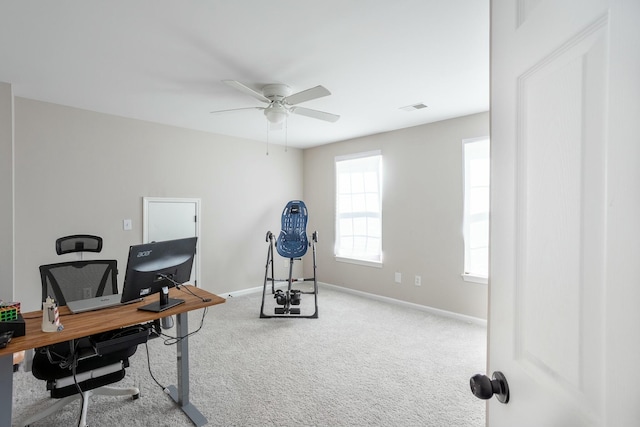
(276,113)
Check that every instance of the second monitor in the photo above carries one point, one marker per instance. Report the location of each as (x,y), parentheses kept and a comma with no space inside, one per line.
(155,267)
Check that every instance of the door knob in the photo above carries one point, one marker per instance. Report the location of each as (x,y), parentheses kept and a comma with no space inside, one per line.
(484,387)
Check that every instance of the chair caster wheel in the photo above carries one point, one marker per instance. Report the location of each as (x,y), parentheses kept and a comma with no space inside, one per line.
(136,396)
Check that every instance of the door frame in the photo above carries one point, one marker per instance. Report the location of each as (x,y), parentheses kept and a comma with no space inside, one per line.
(146,201)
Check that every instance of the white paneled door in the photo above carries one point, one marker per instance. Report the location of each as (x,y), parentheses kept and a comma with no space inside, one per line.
(565,209)
(172,218)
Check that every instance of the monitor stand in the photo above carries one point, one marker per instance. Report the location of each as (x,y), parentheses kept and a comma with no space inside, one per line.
(163,303)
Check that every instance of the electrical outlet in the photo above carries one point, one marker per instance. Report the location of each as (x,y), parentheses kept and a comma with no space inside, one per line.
(86,293)
(398,277)
(418,281)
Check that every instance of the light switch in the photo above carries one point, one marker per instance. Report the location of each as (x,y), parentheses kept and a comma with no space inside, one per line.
(126,224)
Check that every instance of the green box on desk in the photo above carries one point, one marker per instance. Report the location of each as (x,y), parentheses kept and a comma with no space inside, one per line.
(17,326)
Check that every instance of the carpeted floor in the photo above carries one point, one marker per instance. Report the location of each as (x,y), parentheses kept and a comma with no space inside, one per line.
(361,363)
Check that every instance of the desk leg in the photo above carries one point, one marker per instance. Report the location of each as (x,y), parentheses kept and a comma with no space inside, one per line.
(181,394)
(6,389)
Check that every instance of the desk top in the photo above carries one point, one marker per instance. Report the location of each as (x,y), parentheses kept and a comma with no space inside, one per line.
(94,322)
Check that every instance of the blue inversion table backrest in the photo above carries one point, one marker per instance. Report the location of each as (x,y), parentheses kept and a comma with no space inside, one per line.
(292,241)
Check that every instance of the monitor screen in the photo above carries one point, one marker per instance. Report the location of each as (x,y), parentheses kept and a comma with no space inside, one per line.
(152,267)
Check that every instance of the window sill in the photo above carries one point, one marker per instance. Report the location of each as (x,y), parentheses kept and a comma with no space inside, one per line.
(467,277)
(376,264)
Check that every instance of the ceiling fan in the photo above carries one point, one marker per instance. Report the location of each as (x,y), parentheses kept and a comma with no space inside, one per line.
(281,102)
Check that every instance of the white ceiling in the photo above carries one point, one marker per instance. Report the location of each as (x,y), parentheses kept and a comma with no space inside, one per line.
(164,60)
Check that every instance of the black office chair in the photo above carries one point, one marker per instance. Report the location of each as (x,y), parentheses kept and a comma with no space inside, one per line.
(77,369)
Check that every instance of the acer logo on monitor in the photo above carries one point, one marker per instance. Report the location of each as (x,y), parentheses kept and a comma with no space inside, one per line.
(144,253)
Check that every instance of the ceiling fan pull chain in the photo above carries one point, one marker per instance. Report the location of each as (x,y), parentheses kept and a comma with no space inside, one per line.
(267,138)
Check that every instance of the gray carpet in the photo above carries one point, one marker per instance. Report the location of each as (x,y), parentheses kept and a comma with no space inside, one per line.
(361,363)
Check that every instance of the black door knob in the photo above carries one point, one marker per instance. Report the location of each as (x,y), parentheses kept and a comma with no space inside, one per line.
(484,387)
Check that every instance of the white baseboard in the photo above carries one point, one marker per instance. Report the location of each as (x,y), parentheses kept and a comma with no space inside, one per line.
(432,310)
(241,292)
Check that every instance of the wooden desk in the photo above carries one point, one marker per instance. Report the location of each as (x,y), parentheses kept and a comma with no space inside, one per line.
(94,322)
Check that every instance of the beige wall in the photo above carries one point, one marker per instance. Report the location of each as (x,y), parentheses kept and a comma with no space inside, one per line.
(421,215)
(83,172)
(6,192)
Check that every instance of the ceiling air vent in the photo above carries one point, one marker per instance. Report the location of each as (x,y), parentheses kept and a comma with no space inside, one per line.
(413,107)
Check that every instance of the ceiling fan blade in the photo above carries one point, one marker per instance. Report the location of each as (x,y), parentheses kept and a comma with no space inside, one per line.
(307,95)
(328,117)
(237,109)
(246,89)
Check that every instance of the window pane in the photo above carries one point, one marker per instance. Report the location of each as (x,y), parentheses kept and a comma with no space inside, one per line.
(478,200)
(360,226)
(346,245)
(344,183)
(479,261)
(358,208)
(479,172)
(374,228)
(344,203)
(476,206)
(346,227)
(374,246)
(479,234)
(357,183)
(371,182)
(373,202)
(359,244)
(358,203)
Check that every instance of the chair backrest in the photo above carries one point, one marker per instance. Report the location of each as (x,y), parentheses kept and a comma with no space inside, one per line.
(292,241)
(76,280)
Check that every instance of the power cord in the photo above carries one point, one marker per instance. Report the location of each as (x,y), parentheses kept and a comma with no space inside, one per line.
(74,365)
(146,346)
(183,289)
(169,340)
(178,285)
(70,361)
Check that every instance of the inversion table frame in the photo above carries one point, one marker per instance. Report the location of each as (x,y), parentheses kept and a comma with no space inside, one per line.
(287,310)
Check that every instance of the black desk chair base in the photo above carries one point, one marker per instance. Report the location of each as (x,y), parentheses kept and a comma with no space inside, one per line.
(134,392)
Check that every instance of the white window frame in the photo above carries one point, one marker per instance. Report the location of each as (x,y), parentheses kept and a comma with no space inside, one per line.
(372,261)
(469,274)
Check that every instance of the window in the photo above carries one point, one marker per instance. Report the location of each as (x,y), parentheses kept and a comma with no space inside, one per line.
(359,208)
(476,210)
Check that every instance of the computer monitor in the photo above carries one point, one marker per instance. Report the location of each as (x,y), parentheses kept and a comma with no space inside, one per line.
(154,268)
